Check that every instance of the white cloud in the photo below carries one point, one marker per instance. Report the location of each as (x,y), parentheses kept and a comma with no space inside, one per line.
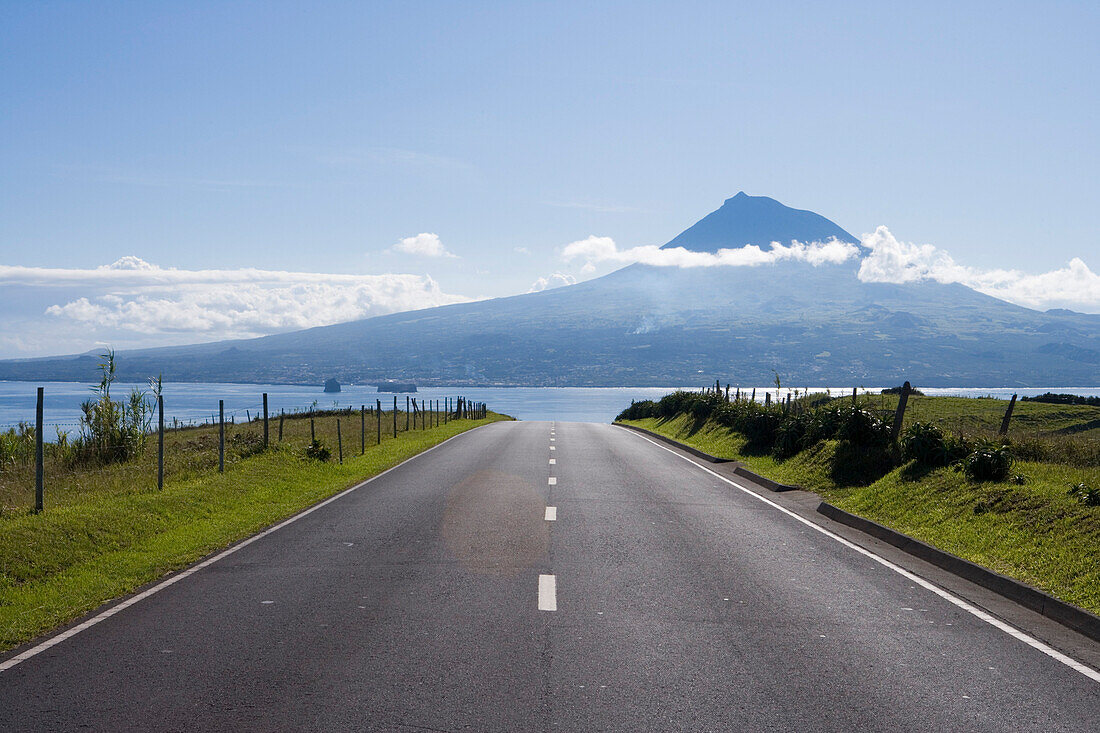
(1074,286)
(884,259)
(595,250)
(135,296)
(521,250)
(557,280)
(423,245)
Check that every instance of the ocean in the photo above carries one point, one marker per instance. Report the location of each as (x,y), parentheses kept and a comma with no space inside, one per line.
(198,401)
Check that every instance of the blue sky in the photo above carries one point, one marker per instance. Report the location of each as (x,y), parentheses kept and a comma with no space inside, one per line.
(312,138)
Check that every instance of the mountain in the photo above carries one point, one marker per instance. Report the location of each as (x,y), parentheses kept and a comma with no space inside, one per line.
(757,220)
(644,325)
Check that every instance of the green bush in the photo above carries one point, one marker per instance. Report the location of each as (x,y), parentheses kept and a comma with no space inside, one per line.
(639,410)
(317,451)
(925,442)
(1085,494)
(989,461)
(861,427)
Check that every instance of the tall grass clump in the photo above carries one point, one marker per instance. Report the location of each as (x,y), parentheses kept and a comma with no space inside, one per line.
(113,431)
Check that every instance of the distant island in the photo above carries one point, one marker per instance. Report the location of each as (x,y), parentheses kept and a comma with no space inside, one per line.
(331,385)
(397,387)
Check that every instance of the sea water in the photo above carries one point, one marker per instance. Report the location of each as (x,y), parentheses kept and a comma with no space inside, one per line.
(195,402)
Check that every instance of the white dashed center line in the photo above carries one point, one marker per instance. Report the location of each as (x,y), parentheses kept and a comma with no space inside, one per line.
(553,481)
(553,462)
(553,447)
(551,514)
(548,593)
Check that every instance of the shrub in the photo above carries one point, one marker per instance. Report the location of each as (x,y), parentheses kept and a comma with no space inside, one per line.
(863,428)
(17,446)
(639,411)
(988,462)
(246,444)
(925,442)
(317,451)
(788,437)
(1085,494)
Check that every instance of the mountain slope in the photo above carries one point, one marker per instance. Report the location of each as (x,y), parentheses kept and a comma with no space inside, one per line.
(647,325)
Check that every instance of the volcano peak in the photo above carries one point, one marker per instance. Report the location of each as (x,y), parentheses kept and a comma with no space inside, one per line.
(758,220)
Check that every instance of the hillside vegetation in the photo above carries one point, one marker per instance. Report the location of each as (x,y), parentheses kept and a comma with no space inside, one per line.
(1026,505)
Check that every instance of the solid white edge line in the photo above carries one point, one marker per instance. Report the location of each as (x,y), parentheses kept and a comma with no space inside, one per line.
(180,575)
(548,593)
(551,514)
(928,585)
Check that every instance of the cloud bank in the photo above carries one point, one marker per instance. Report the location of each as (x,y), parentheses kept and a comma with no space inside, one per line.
(557,280)
(595,250)
(882,258)
(423,245)
(1074,286)
(131,295)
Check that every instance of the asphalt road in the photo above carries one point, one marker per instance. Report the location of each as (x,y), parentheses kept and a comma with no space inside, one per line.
(414,603)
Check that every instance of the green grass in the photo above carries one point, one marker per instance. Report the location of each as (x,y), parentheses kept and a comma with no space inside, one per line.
(983,415)
(1032,532)
(109,531)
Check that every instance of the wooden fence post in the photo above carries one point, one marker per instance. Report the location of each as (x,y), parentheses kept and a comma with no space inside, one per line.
(39,456)
(339,441)
(221,436)
(1008,416)
(853,396)
(378,415)
(767,400)
(282,415)
(362,429)
(900,414)
(395,416)
(312,431)
(754,394)
(265,421)
(160,442)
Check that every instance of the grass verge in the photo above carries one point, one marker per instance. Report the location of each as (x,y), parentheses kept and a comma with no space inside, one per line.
(1033,532)
(106,541)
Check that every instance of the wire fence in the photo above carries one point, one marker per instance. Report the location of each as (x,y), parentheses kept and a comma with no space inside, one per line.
(35,471)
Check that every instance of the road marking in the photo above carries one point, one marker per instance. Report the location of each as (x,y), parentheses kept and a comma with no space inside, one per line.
(548,593)
(553,447)
(553,481)
(927,585)
(553,462)
(551,514)
(55,640)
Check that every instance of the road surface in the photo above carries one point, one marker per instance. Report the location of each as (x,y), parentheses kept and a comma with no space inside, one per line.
(533,576)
